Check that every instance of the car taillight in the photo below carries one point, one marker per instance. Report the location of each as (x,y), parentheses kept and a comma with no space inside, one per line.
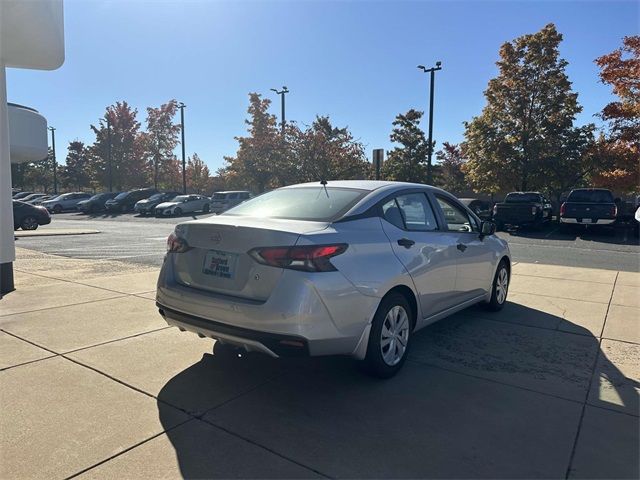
(614,211)
(495,209)
(534,210)
(562,209)
(176,244)
(308,258)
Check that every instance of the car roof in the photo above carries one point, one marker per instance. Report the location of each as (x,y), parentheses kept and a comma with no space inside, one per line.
(233,191)
(369,185)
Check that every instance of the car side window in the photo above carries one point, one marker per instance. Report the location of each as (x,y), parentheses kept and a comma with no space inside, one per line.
(458,220)
(391,213)
(410,212)
(232,196)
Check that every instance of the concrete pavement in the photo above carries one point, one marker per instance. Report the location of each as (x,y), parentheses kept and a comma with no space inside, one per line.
(94,384)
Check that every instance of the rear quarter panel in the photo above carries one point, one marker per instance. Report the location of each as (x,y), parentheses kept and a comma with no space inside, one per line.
(369,262)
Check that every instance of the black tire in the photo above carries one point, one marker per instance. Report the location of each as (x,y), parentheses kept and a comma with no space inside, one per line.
(377,363)
(205,209)
(177,211)
(497,301)
(29,223)
(57,209)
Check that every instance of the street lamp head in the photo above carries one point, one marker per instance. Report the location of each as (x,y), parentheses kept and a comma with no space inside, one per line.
(51,128)
(274,90)
(422,67)
(285,89)
(438,63)
(181,105)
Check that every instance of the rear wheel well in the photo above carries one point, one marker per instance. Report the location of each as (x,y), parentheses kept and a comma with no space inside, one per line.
(407,293)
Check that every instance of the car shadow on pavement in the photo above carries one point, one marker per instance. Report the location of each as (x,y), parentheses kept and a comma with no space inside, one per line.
(479,397)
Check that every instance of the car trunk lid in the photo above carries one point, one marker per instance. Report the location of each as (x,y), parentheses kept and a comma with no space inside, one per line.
(218,260)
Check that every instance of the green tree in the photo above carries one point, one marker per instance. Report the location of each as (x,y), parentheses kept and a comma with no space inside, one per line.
(34,175)
(160,139)
(75,174)
(198,175)
(325,152)
(571,161)
(530,107)
(257,164)
(128,168)
(407,162)
(450,175)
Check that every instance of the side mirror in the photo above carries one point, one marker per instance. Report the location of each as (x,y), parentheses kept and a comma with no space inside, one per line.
(487,228)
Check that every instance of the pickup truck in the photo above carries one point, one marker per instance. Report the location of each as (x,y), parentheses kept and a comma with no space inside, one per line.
(530,209)
(589,206)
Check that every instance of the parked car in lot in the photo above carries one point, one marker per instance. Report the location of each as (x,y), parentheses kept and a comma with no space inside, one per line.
(66,201)
(222,201)
(148,205)
(33,196)
(125,201)
(21,195)
(482,208)
(40,200)
(96,203)
(184,204)
(28,217)
(348,267)
(523,209)
(589,206)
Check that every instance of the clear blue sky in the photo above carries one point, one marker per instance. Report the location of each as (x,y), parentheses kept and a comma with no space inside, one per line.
(354,61)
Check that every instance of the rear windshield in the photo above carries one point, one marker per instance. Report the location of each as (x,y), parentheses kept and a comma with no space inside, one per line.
(157,196)
(522,198)
(318,204)
(219,196)
(590,196)
(122,195)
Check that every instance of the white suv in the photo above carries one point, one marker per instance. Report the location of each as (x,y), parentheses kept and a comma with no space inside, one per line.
(223,201)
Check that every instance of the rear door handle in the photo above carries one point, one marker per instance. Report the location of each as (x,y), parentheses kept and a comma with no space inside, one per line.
(405,242)
(461,246)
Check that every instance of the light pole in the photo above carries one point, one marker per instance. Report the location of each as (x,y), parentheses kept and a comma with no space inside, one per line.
(109,154)
(55,165)
(432,71)
(282,93)
(181,106)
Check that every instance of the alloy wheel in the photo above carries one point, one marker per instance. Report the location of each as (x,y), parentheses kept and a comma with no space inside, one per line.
(502,285)
(29,223)
(394,335)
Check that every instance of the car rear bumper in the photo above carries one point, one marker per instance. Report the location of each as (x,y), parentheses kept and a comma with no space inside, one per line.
(325,317)
(576,221)
(275,345)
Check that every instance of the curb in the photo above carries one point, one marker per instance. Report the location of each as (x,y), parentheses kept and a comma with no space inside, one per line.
(53,233)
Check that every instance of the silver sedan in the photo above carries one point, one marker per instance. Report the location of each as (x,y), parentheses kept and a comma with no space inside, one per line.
(344,267)
(184,204)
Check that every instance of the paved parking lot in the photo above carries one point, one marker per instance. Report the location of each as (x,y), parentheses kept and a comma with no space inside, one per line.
(93,384)
(136,239)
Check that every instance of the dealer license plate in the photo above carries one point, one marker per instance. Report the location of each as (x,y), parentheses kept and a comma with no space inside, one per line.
(220,264)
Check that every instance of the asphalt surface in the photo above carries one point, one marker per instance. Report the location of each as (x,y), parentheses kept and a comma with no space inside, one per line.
(131,238)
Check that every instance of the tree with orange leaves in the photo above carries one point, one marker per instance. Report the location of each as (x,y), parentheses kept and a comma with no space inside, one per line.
(621,70)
